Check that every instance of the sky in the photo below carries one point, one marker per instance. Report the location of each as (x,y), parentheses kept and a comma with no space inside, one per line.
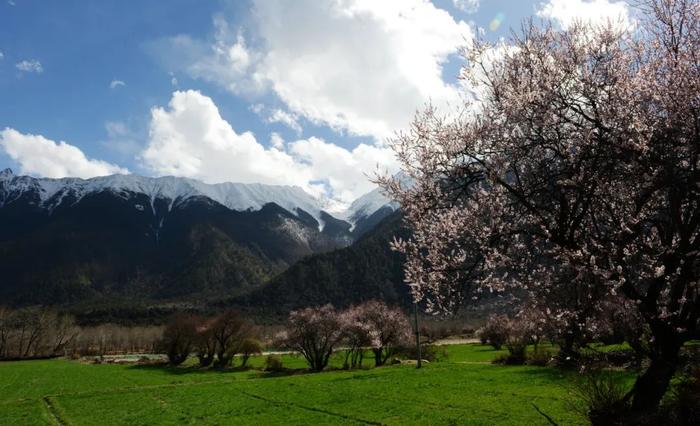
(304,92)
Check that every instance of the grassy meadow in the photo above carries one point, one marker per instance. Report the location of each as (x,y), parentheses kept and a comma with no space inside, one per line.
(465,388)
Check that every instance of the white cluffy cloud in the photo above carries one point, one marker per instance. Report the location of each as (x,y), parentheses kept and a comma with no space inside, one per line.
(227,61)
(358,66)
(38,155)
(276,115)
(190,138)
(30,65)
(276,140)
(116,83)
(566,12)
(468,6)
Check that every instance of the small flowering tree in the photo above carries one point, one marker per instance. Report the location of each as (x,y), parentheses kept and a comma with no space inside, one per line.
(356,335)
(576,172)
(388,328)
(495,331)
(314,332)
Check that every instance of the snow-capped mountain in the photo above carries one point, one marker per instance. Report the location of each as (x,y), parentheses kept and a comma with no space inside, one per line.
(367,205)
(73,239)
(51,193)
(177,191)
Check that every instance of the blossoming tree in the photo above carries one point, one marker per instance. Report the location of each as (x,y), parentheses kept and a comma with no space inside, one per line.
(314,332)
(576,170)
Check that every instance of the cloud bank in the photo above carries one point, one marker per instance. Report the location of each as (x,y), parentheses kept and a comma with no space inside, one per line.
(358,66)
(190,138)
(38,155)
(566,12)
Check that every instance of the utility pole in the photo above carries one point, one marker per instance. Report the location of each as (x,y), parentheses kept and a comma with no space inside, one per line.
(415,324)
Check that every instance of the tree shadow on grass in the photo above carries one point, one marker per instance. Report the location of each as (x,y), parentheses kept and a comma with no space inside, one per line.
(286,372)
(197,370)
(193,369)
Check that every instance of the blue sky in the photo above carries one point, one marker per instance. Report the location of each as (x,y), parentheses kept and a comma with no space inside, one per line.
(92,74)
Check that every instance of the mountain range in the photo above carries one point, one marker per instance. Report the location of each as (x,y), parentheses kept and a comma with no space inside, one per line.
(126,239)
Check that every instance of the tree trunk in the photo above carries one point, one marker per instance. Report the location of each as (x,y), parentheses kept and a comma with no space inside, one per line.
(651,386)
(205,360)
(378,360)
(568,351)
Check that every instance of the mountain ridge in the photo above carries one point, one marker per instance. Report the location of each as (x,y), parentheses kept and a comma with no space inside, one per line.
(235,196)
(152,240)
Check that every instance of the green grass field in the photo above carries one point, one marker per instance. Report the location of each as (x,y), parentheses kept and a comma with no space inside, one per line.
(464,389)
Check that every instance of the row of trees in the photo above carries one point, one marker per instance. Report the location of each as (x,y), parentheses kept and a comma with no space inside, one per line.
(614,322)
(316,332)
(40,332)
(35,332)
(214,340)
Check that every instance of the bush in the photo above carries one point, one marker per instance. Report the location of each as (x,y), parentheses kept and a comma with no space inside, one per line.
(621,357)
(249,347)
(684,405)
(430,353)
(514,334)
(495,331)
(540,358)
(517,346)
(273,363)
(483,336)
(510,358)
(601,396)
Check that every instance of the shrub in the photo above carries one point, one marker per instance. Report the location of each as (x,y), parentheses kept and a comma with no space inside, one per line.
(601,397)
(514,334)
(483,336)
(540,358)
(621,357)
(249,347)
(520,334)
(273,363)
(430,353)
(684,405)
(495,331)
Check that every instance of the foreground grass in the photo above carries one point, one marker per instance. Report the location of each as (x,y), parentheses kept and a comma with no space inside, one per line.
(465,389)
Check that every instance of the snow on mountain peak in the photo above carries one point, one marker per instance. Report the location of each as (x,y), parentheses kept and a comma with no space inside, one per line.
(235,196)
(6,174)
(177,190)
(366,205)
